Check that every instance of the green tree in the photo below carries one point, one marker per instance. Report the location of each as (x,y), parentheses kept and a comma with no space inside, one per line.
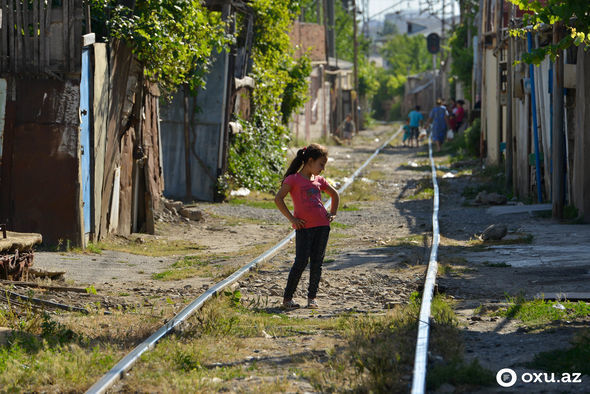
(173,39)
(407,54)
(462,55)
(256,158)
(573,14)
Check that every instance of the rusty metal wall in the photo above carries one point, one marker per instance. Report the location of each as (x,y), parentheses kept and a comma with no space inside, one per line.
(40,190)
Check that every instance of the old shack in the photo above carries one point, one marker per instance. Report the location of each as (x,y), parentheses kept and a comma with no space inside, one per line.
(80,137)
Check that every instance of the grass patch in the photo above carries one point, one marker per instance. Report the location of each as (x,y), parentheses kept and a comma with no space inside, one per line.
(349,207)
(464,376)
(187,267)
(362,191)
(213,352)
(150,246)
(43,355)
(216,266)
(376,175)
(540,311)
(253,203)
(490,179)
(423,191)
(573,359)
(334,172)
(379,350)
(339,225)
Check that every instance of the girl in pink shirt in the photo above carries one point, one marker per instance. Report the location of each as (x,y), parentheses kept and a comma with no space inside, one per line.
(310,219)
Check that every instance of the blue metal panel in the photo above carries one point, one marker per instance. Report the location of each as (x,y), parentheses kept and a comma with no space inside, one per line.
(85,137)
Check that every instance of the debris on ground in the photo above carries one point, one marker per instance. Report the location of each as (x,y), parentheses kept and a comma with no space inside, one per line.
(485,198)
(495,232)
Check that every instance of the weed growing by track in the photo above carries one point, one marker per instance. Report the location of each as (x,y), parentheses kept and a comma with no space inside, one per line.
(573,359)
(40,354)
(148,246)
(231,341)
(539,312)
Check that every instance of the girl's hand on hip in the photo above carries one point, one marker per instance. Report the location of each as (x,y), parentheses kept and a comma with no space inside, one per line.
(298,223)
(330,216)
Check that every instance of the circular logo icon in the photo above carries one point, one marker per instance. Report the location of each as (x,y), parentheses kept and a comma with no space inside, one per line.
(500,376)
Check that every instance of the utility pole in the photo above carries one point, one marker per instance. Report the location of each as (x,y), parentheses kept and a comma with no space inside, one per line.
(355,114)
(443,75)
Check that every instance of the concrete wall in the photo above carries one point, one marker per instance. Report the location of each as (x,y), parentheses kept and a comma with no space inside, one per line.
(490,107)
(313,120)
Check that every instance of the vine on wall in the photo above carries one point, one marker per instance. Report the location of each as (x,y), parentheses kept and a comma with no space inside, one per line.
(257,156)
(174,40)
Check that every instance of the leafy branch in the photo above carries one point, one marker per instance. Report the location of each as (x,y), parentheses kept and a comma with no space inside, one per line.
(573,14)
(174,39)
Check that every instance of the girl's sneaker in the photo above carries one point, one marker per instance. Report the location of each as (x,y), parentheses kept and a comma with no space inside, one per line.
(290,304)
(312,303)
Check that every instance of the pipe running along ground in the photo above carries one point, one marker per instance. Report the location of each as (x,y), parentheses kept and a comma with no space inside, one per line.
(421,354)
(127,362)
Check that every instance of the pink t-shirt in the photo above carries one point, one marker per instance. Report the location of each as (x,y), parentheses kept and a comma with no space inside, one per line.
(307,199)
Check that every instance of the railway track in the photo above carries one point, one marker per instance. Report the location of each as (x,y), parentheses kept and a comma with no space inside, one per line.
(127,362)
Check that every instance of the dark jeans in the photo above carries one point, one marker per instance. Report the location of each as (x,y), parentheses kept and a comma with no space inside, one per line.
(310,245)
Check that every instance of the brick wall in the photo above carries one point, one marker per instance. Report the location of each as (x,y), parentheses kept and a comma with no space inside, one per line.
(309,36)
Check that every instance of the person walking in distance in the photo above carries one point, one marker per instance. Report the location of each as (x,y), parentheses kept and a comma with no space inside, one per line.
(309,218)
(416,118)
(348,129)
(439,118)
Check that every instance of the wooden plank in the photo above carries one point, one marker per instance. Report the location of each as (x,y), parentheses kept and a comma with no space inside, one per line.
(99,118)
(64,36)
(17,37)
(26,56)
(35,23)
(119,73)
(75,33)
(20,241)
(42,41)
(47,34)
(3,35)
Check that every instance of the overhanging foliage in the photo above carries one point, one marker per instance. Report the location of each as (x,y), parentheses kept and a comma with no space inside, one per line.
(573,14)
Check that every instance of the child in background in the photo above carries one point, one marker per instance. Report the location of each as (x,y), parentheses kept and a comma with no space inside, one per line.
(407,133)
(310,218)
(348,129)
(416,118)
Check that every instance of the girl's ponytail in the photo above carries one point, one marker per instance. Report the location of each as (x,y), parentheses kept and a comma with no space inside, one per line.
(297,163)
(313,151)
